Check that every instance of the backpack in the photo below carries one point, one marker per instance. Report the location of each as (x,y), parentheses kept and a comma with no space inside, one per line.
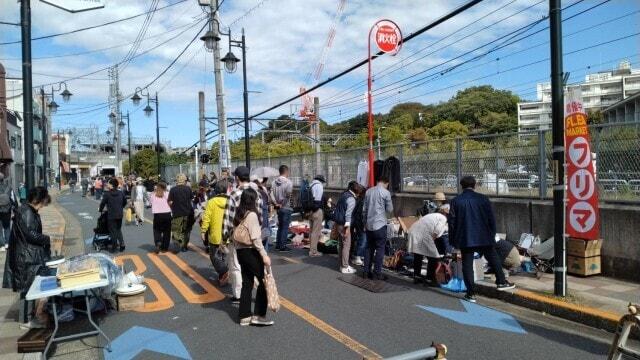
(340,213)
(5,198)
(306,196)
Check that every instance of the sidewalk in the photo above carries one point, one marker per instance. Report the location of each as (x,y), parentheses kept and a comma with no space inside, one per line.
(64,239)
(595,301)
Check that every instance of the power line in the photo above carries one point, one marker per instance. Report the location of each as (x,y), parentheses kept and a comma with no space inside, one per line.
(363,62)
(92,27)
(143,30)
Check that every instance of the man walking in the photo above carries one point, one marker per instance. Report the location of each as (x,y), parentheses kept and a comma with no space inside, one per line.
(114,201)
(281,194)
(317,214)
(472,229)
(84,183)
(243,182)
(377,203)
(180,203)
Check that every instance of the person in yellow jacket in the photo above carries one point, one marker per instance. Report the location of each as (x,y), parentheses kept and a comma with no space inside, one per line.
(211,230)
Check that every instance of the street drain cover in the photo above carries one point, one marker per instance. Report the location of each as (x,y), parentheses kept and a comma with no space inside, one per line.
(374,286)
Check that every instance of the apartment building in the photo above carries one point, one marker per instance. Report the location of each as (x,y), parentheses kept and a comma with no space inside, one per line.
(599,91)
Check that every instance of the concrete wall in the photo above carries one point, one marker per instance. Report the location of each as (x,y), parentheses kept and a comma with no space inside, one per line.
(620,227)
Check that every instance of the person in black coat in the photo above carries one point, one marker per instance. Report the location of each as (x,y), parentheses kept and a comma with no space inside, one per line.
(29,250)
(115,202)
(472,229)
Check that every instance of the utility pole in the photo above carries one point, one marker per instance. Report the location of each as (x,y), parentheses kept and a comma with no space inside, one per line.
(316,132)
(45,172)
(245,98)
(27,106)
(557,113)
(201,120)
(217,72)
(59,167)
(115,98)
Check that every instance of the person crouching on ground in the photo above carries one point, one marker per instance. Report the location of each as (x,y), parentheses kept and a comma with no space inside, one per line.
(161,217)
(428,237)
(180,202)
(472,229)
(29,251)
(114,201)
(509,256)
(211,230)
(253,259)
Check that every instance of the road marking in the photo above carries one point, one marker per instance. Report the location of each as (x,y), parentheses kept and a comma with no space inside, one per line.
(318,323)
(163,300)
(138,339)
(478,315)
(212,294)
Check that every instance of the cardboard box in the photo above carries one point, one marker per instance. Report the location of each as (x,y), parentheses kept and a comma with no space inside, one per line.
(583,248)
(132,302)
(583,266)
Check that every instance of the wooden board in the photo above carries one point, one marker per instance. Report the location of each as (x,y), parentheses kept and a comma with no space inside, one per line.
(34,340)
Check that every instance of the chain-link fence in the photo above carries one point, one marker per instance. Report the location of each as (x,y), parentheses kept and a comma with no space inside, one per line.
(515,164)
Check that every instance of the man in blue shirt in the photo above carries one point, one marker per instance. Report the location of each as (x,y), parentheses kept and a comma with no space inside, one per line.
(377,204)
(472,229)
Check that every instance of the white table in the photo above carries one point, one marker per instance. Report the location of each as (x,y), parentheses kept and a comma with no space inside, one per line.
(34,293)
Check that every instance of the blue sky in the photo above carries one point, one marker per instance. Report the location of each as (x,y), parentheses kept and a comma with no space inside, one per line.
(285,39)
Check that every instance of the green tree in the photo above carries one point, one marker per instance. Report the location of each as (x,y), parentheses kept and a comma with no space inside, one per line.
(418,135)
(496,123)
(470,104)
(145,163)
(448,130)
(594,117)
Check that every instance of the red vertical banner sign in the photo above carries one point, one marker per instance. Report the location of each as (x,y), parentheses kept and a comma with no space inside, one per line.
(582,216)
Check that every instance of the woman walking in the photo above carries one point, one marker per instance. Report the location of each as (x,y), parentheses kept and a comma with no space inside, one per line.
(161,217)
(252,258)
(138,196)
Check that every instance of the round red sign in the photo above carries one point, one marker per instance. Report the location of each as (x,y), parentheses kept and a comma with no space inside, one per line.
(388,37)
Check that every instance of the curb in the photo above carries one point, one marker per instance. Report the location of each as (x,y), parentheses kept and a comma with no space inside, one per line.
(585,315)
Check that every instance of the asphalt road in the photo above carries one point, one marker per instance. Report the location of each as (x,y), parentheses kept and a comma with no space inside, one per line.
(322,317)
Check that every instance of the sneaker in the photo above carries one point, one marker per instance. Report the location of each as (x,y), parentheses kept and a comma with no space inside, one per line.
(235,300)
(470,298)
(246,321)
(35,323)
(348,270)
(358,261)
(284,249)
(506,286)
(3,248)
(157,250)
(260,321)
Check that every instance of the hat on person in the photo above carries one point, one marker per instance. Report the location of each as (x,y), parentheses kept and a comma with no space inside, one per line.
(181,179)
(320,178)
(241,171)
(139,179)
(439,196)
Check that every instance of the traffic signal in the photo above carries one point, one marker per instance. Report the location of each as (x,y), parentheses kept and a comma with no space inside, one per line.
(205,158)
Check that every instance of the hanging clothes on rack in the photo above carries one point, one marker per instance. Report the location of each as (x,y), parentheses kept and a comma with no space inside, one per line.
(362,176)
(391,169)
(378,165)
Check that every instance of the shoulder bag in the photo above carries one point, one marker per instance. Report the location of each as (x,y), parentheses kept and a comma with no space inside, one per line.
(241,234)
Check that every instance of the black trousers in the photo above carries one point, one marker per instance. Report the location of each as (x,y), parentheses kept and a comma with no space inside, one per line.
(432,265)
(115,231)
(162,230)
(374,255)
(489,253)
(252,266)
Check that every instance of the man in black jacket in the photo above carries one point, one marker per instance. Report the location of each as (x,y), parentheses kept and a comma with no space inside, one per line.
(115,202)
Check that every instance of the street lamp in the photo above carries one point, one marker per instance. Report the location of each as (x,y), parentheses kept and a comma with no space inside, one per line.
(147,111)
(231,64)
(53,108)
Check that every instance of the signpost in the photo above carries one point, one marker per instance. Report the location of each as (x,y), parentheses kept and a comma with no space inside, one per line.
(582,219)
(74,6)
(389,40)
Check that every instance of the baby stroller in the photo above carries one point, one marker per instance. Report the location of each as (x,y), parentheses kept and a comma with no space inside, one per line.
(101,238)
(542,257)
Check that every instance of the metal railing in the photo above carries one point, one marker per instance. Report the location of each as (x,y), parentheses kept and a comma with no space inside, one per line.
(514,164)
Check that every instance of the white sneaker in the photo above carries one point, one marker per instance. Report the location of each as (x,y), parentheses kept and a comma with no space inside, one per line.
(348,270)
(358,261)
(3,248)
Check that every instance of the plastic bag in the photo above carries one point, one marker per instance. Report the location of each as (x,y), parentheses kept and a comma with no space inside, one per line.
(455,285)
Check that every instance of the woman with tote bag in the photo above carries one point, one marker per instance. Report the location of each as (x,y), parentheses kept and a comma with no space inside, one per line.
(247,238)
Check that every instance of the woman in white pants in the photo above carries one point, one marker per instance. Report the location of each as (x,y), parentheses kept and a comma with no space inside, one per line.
(138,196)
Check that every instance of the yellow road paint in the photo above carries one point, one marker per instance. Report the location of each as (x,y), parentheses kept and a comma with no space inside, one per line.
(212,294)
(330,330)
(163,301)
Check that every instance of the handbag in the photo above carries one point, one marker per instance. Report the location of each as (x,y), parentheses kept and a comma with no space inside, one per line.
(394,261)
(443,273)
(273,299)
(241,234)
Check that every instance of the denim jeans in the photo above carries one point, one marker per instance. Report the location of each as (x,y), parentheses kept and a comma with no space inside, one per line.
(284,220)
(376,241)
(362,244)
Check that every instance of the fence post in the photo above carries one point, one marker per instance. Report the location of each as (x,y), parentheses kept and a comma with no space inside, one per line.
(401,158)
(495,149)
(426,167)
(542,164)
(458,162)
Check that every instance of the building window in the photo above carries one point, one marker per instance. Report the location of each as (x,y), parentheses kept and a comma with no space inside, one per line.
(13,142)
(19,142)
